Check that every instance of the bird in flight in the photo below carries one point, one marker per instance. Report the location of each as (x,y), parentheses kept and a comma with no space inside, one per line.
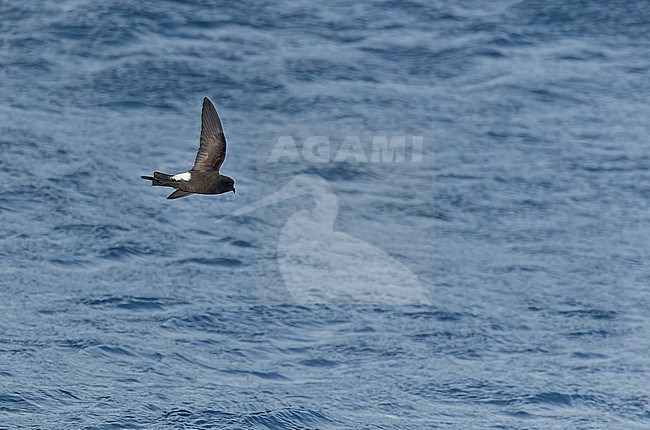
(204,177)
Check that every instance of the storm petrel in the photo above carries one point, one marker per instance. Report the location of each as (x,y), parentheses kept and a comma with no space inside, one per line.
(204,177)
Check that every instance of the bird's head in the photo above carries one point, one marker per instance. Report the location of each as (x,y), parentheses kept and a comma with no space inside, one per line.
(229,184)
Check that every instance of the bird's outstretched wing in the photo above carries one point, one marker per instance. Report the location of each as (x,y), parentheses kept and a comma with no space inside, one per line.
(212,151)
(178,194)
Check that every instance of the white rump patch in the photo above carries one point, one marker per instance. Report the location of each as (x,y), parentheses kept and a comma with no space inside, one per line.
(182,176)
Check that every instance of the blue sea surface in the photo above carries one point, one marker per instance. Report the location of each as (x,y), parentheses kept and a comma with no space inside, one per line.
(526,223)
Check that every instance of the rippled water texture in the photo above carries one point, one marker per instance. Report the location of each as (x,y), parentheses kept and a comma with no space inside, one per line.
(499,283)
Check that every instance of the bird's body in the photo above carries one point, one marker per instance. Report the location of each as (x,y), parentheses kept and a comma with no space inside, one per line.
(204,177)
(193,182)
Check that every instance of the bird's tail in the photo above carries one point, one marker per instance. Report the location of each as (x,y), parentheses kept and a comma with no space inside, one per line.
(161,180)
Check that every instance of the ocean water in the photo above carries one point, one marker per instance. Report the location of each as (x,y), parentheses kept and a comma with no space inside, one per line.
(520,240)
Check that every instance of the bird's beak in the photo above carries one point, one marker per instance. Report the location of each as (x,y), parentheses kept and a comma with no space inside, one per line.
(233,190)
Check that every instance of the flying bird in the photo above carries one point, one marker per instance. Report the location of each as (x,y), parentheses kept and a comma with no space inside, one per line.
(204,177)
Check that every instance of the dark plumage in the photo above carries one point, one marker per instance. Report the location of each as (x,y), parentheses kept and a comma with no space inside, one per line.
(204,177)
